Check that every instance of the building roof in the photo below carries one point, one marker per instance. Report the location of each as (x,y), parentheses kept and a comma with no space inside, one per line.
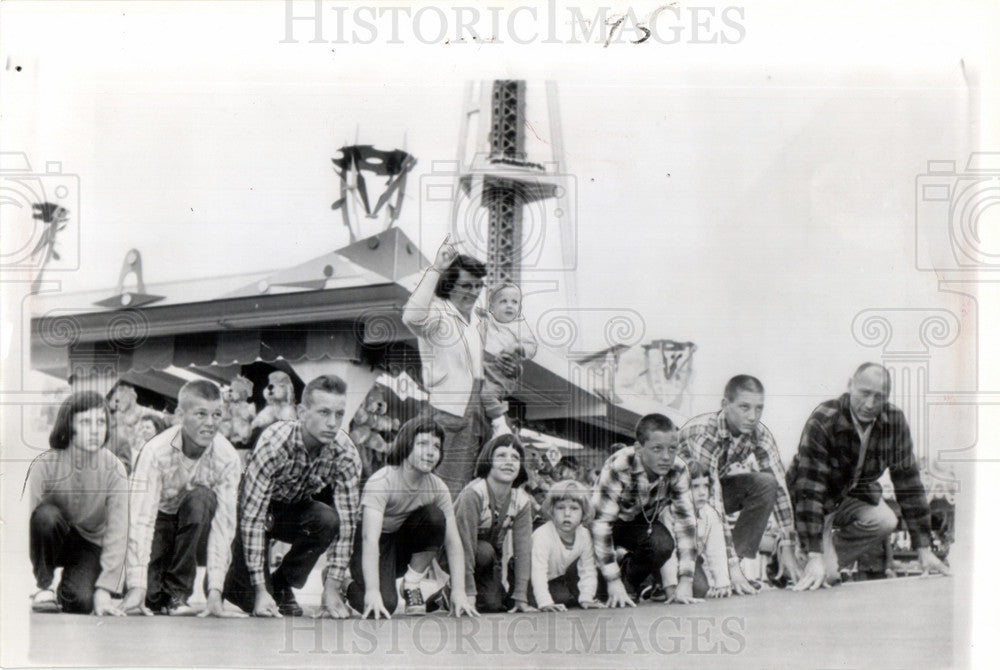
(327,307)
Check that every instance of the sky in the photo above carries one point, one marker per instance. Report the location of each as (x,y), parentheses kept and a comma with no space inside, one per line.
(753,198)
(748,180)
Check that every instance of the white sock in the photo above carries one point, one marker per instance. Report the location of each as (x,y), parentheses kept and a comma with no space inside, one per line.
(412,578)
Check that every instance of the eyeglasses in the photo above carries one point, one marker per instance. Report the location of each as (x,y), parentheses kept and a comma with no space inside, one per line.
(470,287)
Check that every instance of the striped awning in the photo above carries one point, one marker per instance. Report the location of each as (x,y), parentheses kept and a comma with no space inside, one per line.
(338,340)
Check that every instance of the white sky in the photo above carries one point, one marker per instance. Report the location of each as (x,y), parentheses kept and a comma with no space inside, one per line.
(752,198)
(201,139)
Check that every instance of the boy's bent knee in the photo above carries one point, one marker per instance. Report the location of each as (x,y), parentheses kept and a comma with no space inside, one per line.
(199,504)
(323,521)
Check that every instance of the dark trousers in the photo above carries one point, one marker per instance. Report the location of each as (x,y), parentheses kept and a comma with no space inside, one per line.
(649,547)
(180,543)
(564,589)
(491,596)
(309,526)
(422,531)
(857,526)
(753,495)
(53,543)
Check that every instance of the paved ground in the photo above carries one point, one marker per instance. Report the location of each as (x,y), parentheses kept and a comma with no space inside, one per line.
(902,623)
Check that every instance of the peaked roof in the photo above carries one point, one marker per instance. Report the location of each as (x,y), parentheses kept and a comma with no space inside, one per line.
(390,254)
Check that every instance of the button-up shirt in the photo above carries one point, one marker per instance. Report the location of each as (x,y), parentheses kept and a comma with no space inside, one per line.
(281,469)
(828,455)
(163,475)
(624,491)
(451,352)
(707,439)
(91,491)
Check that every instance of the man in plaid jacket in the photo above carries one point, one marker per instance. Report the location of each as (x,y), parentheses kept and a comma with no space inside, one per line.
(846,446)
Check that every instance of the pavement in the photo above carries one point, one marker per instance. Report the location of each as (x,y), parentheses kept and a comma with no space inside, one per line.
(896,623)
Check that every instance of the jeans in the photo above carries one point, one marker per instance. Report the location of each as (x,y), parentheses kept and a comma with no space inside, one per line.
(309,526)
(53,543)
(180,543)
(422,531)
(649,546)
(753,495)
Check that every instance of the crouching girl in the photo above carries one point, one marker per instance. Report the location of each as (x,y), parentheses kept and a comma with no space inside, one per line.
(406,518)
(78,493)
(563,572)
(491,507)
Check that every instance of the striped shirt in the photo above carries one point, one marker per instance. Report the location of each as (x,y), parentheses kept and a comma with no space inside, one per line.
(625,492)
(281,469)
(828,454)
(706,438)
(163,474)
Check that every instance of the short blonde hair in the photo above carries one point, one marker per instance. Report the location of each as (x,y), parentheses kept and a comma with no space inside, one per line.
(572,491)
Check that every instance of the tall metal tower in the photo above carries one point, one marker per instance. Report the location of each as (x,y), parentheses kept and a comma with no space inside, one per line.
(507,144)
(503,181)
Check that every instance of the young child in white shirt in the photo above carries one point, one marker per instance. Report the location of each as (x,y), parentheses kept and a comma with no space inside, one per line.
(711,573)
(504,330)
(563,570)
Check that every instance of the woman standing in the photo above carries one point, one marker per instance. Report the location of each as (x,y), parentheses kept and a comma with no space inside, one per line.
(440,314)
(491,507)
(78,494)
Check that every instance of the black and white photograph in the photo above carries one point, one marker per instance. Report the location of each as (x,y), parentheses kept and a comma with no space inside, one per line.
(559,334)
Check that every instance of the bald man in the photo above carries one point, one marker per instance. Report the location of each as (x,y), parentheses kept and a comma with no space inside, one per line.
(846,446)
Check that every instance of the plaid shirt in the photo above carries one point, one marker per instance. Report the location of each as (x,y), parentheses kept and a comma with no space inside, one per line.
(280,469)
(706,438)
(828,454)
(624,492)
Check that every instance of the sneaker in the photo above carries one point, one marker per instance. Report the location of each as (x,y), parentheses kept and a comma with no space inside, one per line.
(44,601)
(286,602)
(440,600)
(654,593)
(414,599)
(178,607)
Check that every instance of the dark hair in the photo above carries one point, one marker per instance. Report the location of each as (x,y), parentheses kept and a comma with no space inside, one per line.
(199,388)
(159,424)
(448,278)
(328,383)
(81,401)
(402,446)
(650,423)
(742,383)
(485,462)
(696,470)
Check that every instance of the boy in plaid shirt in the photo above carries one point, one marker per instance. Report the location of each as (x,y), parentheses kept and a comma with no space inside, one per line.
(636,484)
(295,469)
